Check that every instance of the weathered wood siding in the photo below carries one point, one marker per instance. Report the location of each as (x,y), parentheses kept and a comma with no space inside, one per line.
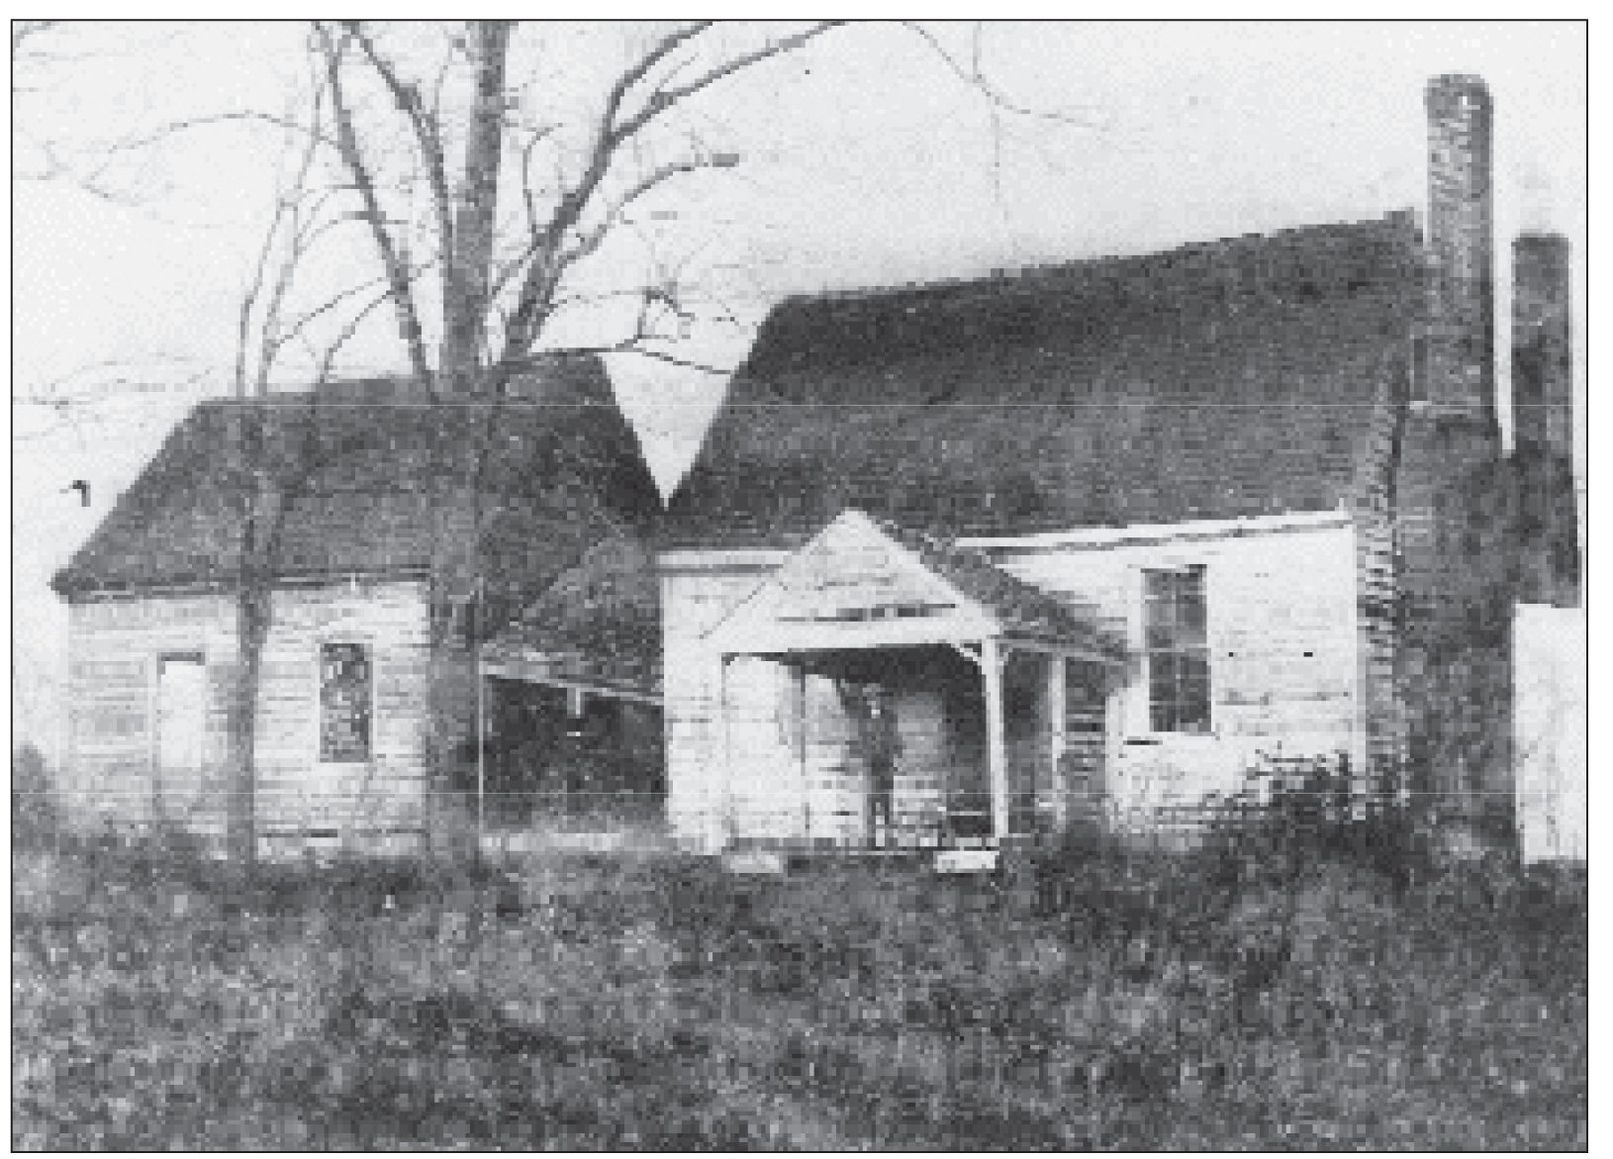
(1549,716)
(1286,668)
(692,604)
(384,796)
(116,645)
(1284,655)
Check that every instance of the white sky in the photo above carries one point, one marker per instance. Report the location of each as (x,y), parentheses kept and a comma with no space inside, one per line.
(866,163)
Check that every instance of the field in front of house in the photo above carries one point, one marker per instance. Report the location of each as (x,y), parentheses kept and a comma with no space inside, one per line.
(657,1003)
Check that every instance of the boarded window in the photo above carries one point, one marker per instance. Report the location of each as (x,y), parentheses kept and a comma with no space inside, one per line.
(345,675)
(1175,639)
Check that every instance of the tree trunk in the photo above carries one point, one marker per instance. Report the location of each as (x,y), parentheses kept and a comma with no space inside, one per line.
(471,259)
(254,610)
(252,615)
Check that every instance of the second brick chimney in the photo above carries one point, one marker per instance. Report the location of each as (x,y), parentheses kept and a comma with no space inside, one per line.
(1461,229)
(1542,344)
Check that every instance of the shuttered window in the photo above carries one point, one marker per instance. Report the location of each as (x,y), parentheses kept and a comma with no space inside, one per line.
(1177,649)
(345,675)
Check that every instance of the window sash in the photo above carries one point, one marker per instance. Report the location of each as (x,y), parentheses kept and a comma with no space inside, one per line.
(346,686)
(1175,644)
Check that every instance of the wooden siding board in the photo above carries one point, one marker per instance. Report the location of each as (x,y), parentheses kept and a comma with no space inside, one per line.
(115,645)
(1286,642)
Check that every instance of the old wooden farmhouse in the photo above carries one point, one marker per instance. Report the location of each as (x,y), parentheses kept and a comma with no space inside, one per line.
(1068,550)
(1087,544)
(344,708)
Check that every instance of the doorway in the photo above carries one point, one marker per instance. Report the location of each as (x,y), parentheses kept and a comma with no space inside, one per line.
(181,733)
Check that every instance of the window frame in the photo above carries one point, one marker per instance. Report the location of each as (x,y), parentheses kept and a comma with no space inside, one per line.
(369,649)
(1205,726)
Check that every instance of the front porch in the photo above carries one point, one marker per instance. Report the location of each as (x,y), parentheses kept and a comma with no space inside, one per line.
(884,695)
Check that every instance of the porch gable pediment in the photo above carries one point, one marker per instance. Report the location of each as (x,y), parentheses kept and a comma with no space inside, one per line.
(851,581)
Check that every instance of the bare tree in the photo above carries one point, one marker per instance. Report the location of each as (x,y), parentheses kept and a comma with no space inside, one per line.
(278,459)
(473,297)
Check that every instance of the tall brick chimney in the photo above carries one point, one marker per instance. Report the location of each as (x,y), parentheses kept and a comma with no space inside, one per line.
(1461,230)
(1452,490)
(1542,344)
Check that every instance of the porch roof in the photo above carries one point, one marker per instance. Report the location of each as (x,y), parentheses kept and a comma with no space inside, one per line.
(934,592)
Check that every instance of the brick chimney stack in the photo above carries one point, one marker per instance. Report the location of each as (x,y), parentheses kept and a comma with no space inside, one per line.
(1548,563)
(1542,344)
(1461,231)
(1452,489)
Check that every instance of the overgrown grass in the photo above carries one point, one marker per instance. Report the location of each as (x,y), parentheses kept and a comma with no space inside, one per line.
(162,1002)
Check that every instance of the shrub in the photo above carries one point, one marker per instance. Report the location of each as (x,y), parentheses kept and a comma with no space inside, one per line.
(1293,815)
(33,800)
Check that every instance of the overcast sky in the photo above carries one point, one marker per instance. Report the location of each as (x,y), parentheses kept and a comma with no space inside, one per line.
(866,163)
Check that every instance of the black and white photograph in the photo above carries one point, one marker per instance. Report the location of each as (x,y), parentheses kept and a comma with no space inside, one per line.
(900,584)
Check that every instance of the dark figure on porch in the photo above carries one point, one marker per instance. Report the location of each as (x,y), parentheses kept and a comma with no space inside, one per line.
(882,743)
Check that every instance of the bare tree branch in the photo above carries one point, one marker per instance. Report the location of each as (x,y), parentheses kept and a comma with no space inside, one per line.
(658,52)
(289,211)
(591,241)
(428,138)
(56,169)
(546,265)
(247,116)
(538,136)
(635,346)
(976,78)
(392,263)
(663,99)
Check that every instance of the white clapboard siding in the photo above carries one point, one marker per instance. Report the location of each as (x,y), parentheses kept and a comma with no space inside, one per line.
(1286,663)
(116,772)
(1284,656)
(1550,722)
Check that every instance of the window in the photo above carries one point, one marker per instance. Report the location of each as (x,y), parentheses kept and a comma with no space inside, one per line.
(1419,365)
(344,702)
(1178,655)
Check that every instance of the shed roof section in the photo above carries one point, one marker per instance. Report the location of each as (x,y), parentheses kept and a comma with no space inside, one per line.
(598,624)
(376,479)
(1216,381)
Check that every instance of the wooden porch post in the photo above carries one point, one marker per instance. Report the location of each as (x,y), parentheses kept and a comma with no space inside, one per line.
(727,819)
(798,693)
(481,752)
(991,667)
(1116,813)
(1056,666)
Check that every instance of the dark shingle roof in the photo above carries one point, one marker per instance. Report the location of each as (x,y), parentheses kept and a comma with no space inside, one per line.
(1217,381)
(599,622)
(381,476)
(1020,608)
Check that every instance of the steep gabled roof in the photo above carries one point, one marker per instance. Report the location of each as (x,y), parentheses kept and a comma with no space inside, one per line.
(1215,381)
(378,476)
